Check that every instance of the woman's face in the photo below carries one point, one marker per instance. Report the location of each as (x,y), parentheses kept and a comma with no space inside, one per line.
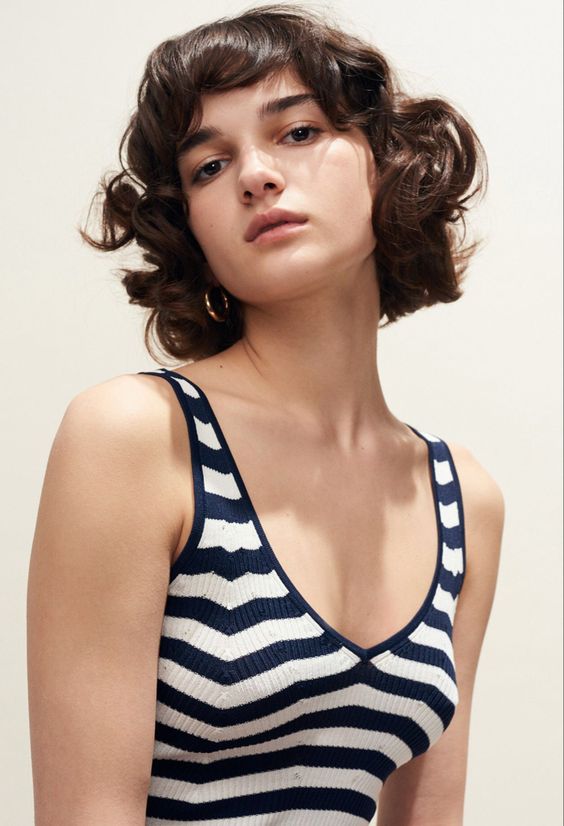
(292,159)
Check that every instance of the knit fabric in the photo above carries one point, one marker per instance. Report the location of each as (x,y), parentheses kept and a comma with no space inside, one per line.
(265,714)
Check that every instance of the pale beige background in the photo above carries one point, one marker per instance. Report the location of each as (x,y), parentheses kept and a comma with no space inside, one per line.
(485,371)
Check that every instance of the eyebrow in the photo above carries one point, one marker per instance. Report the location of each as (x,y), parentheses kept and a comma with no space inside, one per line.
(271,107)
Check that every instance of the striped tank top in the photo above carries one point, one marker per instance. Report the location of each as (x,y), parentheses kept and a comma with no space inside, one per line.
(265,714)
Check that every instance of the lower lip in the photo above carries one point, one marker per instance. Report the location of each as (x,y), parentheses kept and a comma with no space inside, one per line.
(281,231)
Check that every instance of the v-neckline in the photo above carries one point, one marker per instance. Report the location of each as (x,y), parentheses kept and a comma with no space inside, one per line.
(396,639)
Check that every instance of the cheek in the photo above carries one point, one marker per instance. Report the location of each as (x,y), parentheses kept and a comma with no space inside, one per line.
(347,180)
(215,234)
(204,223)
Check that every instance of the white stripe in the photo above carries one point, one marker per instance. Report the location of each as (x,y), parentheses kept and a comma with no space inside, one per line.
(443,472)
(206,434)
(188,388)
(449,514)
(231,536)
(227,593)
(325,777)
(453,559)
(222,484)
(444,601)
(230,647)
(429,436)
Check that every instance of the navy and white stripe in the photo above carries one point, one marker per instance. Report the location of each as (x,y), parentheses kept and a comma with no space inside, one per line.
(263,708)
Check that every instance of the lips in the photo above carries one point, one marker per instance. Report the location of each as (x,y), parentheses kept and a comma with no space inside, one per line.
(272,218)
(271,226)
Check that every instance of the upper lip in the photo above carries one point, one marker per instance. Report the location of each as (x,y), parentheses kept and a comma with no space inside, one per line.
(272,216)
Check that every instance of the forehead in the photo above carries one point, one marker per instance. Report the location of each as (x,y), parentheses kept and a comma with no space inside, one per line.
(282,83)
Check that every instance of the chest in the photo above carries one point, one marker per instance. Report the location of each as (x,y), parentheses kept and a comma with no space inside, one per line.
(356,535)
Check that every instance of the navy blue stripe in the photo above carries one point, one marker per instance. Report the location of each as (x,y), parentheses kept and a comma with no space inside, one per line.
(342,800)
(229,768)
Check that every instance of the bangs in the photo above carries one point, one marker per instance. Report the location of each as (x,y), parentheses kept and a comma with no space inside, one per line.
(236,53)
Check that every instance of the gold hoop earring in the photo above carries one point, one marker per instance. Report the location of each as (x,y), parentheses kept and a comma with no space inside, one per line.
(209,307)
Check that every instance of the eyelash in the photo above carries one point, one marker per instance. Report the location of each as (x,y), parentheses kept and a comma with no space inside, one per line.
(195,178)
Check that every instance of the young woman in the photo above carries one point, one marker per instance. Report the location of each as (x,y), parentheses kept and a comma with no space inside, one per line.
(246,600)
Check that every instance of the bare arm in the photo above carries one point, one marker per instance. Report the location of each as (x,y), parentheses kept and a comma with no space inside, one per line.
(108,523)
(430,789)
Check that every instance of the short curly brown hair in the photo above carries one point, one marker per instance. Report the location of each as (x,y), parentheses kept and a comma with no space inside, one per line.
(427,154)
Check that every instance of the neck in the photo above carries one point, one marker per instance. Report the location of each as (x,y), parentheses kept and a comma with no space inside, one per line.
(315,357)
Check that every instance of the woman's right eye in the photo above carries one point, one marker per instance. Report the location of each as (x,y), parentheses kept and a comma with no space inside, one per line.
(196,177)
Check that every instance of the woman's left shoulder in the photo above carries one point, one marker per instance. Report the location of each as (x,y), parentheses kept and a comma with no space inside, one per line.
(483,504)
(477,483)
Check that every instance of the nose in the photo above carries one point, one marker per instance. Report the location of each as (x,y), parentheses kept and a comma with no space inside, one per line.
(258,174)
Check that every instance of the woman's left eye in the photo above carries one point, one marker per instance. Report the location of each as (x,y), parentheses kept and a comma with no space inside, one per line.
(302,127)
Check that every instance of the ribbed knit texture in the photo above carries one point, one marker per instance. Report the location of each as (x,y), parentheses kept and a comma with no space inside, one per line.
(265,714)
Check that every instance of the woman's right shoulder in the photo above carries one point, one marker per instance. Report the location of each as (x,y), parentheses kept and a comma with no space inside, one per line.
(138,409)
(128,396)
(133,422)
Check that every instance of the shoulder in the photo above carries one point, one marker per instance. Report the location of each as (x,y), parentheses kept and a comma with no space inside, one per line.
(134,418)
(481,492)
(121,400)
(131,430)
(483,507)
(135,412)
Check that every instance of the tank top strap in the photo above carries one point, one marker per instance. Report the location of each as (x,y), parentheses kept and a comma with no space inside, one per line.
(450,512)
(218,498)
